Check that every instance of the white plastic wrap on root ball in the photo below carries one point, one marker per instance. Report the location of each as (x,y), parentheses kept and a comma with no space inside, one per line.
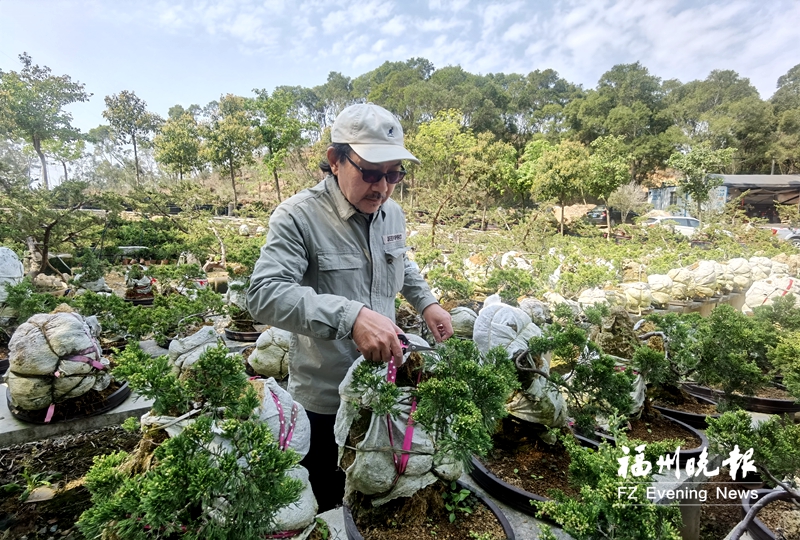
(682,283)
(476,268)
(538,311)
(270,357)
(279,419)
(760,267)
(637,295)
(501,325)
(54,357)
(183,352)
(514,259)
(779,269)
(554,300)
(742,274)
(540,402)
(763,292)
(705,278)
(724,277)
(236,294)
(11,271)
(660,288)
(302,513)
(463,320)
(373,470)
(595,296)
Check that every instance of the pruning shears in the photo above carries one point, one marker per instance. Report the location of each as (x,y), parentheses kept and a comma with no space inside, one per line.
(413,347)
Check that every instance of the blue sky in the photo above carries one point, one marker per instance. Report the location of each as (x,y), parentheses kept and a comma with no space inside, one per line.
(192,51)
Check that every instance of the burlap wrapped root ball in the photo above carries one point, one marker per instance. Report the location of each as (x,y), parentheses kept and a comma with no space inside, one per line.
(271,355)
(463,321)
(660,288)
(705,278)
(764,291)
(760,267)
(637,296)
(724,278)
(183,352)
(682,283)
(742,274)
(538,311)
(54,357)
(596,296)
(515,260)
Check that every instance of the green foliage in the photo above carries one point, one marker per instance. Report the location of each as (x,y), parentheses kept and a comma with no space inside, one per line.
(512,283)
(731,352)
(113,313)
(600,511)
(25,301)
(456,500)
(695,167)
(211,491)
(785,359)
(130,121)
(152,378)
(385,394)
(594,386)
(178,144)
(173,314)
(609,166)
(654,367)
(774,442)
(91,267)
(448,282)
(131,424)
(217,378)
(464,398)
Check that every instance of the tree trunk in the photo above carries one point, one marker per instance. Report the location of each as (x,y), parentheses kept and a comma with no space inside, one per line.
(64,164)
(277,184)
(608,221)
(562,219)
(483,217)
(233,185)
(135,159)
(699,214)
(37,145)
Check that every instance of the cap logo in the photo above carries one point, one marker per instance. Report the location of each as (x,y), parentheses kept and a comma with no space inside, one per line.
(391,132)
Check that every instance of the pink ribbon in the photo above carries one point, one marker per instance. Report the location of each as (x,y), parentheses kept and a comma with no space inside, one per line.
(401,462)
(284,438)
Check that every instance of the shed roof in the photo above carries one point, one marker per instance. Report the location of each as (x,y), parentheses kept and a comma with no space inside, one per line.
(765,181)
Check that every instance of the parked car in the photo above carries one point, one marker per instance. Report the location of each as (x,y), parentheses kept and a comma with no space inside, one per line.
(790,234)
(682,224)
(597,216)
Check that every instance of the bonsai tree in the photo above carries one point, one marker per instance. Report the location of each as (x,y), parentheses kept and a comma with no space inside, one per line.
(599,511)
(442,410)
(593,386)
(775,454)
(223,476)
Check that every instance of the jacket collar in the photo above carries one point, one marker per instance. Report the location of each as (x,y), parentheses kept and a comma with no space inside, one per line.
(343,206)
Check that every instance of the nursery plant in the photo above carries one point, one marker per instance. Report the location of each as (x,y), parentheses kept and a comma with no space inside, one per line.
(598,511)
(775,454)
(459,395)
(222,477)
(592,384)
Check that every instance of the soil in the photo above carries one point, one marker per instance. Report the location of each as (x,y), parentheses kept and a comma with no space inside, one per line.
(657,428)
(719,516)
(689,405)
(521,458)
(776,516)
(64,460)
(771,392)
(424,515)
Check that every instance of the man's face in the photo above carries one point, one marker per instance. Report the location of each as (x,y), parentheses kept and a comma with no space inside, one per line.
(365,197)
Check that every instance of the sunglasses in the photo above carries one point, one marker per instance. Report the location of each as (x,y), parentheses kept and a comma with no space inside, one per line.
(371,176)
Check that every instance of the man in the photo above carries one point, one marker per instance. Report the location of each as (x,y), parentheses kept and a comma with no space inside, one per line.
(330,270)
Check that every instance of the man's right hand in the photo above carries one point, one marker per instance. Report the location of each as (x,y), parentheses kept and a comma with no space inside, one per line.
(376,337)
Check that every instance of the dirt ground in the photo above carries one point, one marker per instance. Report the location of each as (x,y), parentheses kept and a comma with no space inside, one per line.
(62,462)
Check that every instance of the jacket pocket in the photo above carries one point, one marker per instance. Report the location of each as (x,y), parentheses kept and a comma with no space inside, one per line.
(395,262)
(341,273)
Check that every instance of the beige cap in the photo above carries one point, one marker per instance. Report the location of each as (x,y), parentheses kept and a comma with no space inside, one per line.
(372,132)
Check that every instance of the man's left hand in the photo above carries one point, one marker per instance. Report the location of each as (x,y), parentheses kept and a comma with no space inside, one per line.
(438,321)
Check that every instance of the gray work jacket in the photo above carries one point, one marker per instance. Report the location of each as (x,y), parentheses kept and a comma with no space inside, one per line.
(323,261)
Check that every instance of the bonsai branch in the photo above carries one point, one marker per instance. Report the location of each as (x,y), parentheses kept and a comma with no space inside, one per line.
(740,529)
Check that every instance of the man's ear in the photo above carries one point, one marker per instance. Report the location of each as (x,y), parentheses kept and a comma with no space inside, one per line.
(331,155)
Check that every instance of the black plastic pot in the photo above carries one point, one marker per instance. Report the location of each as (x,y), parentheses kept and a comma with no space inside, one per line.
(520,499)
(353,533)
(757,529)
(64,412)
(140,301)
(750,403)
(241,336)
(692,419)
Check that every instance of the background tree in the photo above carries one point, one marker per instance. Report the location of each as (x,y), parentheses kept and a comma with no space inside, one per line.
(629,198)
(785,147)
(608,169)
(32,103)
(695,167)
(279,128)
(178,143)
(559,174)
(65,151)
(131,122)
(230,138)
